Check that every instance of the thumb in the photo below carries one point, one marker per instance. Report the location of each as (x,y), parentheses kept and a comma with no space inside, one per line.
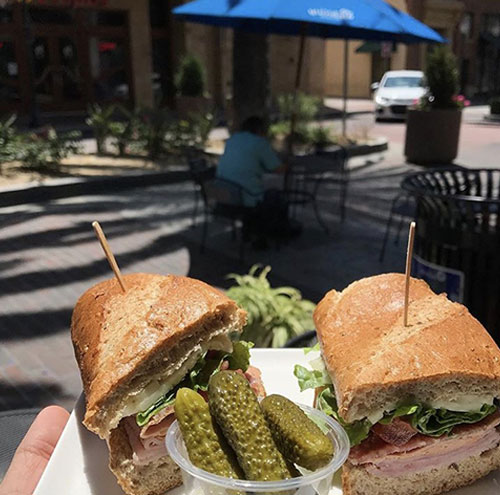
(34,452)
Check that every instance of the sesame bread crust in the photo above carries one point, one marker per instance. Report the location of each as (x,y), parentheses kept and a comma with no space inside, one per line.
(154,478)
(120,339)
(441,479)
(375,361)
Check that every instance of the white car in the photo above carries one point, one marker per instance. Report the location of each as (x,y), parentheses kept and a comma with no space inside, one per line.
(397,90)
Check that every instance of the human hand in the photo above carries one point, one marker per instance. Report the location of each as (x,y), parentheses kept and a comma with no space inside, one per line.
(34,452)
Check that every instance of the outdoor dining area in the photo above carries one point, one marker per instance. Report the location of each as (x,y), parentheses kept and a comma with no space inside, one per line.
(261,303)
(297,188)
(304,173)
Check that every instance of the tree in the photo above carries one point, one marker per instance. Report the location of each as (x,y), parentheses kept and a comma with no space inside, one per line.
(250,76)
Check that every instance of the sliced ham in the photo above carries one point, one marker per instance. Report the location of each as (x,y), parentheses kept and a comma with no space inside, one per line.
(398,432)
(144,450)
(438,454)
(422,452)
(254,377)
(158,423)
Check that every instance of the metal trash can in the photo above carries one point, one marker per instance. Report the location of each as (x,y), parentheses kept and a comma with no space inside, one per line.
(457,245)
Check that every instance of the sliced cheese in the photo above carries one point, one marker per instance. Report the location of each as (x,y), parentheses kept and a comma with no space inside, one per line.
(161,384)
(464,403)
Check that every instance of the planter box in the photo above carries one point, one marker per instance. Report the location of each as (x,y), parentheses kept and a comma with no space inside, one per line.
(189,105)
(432,136)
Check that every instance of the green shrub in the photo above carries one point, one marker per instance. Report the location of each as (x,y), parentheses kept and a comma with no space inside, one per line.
(306,107)
(190,78)
(321,136)
(124,131)
(441,75)
(9,139)
(275,315)
(152,128)
(282,130)
(100,119)
(190,133)
(44,152)
(495,106)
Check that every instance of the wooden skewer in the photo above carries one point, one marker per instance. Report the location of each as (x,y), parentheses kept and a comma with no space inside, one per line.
(409,255)
(109,255)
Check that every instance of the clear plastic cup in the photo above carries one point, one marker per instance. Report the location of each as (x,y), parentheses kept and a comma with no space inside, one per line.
(200,482)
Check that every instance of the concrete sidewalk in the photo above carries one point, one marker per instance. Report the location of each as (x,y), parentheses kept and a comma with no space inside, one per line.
(49,257)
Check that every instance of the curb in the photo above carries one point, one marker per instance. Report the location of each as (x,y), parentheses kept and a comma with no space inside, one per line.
(65,188)
(492,118)
(367,149)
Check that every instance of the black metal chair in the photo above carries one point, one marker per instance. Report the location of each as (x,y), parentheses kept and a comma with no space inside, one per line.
(13,425)
(224,199)
(201,171)
(405,206)
(306,175)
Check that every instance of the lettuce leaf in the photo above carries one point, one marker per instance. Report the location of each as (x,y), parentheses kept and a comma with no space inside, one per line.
(400,411)
(197,379)
(314,348)
(142,418)
(239,359)
(356,431)
(426,420)
(311,378)
(438,422)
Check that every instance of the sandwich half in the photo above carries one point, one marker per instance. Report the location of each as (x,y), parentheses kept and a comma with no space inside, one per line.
(420,403)
(134,350)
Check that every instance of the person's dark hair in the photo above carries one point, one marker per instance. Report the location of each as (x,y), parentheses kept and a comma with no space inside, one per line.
(254,124)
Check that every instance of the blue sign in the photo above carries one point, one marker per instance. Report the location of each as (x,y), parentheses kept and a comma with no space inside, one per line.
(440,278)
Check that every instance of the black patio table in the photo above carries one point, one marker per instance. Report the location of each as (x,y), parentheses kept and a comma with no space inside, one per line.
(308,172)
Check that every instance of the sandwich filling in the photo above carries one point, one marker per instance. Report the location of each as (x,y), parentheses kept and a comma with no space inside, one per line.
(410,437)
(146,428)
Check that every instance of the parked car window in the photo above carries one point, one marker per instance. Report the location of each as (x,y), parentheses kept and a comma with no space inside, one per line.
(403,82)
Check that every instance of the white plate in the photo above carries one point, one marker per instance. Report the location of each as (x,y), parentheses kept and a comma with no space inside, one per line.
(79,465)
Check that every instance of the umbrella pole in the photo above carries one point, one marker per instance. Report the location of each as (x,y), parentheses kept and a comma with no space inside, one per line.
(345,83)
(298,77)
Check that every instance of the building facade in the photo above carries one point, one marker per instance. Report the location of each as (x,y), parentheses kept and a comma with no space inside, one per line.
(70,53)
(471,26)
(477,45)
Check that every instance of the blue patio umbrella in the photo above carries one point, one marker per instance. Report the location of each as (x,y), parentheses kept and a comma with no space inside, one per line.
(345,19)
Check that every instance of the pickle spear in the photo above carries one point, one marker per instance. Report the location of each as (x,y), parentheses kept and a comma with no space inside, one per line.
(204,441)
(236,409)
(298,438)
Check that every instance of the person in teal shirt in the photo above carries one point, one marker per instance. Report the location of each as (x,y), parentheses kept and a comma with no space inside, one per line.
(248,155)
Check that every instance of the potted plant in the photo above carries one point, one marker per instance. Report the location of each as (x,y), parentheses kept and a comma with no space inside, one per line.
(433,126)
(495,108)
(275,314)
(190,84)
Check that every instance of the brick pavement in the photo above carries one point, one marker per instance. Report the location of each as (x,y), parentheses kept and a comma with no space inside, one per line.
(49,256)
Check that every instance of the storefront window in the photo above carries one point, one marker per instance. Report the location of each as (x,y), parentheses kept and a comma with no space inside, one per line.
(491,24)
(466,25)
(108,58)
(44,83)
(70,73)
(5,15)
(111,18)
(8,72)
(52,16)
